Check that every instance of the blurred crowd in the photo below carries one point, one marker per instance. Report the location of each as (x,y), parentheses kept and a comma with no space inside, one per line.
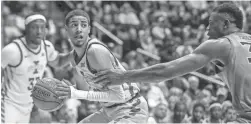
(169,29)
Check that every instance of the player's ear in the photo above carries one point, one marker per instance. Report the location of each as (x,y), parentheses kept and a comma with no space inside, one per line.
(89,30)
(226,23)
(66,27)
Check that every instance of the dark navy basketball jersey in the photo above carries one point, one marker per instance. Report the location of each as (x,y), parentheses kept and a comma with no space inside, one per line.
(237,73)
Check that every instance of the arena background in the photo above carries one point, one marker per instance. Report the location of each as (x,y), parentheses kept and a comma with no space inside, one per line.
(140,34)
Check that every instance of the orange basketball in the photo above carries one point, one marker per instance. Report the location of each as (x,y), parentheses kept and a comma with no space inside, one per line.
(44,96)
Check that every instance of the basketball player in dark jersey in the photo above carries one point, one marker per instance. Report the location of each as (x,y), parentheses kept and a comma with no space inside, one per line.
(226,44)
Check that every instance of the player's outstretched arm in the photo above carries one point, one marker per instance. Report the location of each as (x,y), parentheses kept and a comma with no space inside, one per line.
(206,52)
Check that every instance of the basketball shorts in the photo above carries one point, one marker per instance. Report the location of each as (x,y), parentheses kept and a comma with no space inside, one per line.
(10,112)
(133,111)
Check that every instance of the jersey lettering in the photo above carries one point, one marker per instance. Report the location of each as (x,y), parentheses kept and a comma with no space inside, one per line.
(249,44)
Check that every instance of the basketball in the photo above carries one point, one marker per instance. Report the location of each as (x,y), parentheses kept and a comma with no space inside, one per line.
(44,96)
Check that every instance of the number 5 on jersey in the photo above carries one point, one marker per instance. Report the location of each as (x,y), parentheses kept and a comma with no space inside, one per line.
(249,44)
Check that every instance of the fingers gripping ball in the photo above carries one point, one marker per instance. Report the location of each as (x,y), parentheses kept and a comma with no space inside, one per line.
(44,96)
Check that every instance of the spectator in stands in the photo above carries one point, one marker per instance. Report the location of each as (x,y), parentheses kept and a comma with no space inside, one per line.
(10,29)
(207,97)
(127,15)
(159,114)
(221,94)
(175,91)
(215,114)
(197,114)
(172,100)
(180,113)
(225,105)
(230,115)
(146,43)
(154,96)
(194,84)
(135,60)
(183,50)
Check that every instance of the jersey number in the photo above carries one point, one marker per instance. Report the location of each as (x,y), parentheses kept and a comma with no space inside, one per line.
(32,82)
(248,43)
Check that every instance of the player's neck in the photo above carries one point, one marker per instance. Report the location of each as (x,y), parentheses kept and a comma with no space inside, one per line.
(81,50)
(232,30)
(30,44)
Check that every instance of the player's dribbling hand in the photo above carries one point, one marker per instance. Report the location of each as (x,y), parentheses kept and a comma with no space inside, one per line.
(63,89)
(109,77)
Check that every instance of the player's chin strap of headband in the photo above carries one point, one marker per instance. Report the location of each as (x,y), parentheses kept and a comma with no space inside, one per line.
(33,18)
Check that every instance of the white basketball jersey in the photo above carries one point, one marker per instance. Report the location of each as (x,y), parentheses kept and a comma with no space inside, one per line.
(22,77)
(84,69)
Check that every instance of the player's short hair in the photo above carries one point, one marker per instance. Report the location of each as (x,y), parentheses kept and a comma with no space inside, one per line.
(76,12)
(233,11)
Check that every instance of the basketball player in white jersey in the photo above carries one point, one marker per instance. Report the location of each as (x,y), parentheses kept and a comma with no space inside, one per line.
(227,44)
(121,103)
(24,61)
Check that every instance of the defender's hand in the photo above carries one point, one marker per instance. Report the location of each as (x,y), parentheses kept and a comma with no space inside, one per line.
(109,77)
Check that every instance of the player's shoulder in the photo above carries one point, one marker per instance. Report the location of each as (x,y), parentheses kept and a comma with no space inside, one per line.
(11,48)
(216,44)
(96,46)
(219,41)
(48,43)
(95,40)
(11,54)
(214,48)
(97,50)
